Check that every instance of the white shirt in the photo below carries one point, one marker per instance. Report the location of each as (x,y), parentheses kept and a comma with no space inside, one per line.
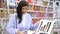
(26,23)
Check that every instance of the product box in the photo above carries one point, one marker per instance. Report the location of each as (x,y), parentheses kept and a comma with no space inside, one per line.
(45,3)
(11,11)
(36,8)
(0,13)
(29,1)
(1,3)
(6,14)
(50,15)
(31,7)
(42,8)
(40,14)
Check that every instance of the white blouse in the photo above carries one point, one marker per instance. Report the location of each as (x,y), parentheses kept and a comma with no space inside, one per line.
(26,23)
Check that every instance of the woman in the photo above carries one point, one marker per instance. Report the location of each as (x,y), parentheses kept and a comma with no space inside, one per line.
(20,21)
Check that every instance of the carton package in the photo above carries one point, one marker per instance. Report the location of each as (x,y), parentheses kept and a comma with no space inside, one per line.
(1,3)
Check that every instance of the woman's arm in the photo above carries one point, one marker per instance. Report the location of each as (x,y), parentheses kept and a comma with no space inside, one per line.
(29,24)
(34,26)
(11,24)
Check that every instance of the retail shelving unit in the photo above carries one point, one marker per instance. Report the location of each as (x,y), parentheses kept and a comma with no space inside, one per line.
(39,9)
(5,11)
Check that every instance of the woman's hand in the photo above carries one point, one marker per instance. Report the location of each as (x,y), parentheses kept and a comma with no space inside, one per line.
(20,32)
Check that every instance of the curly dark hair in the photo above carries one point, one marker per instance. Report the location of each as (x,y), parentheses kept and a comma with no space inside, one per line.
(19,9)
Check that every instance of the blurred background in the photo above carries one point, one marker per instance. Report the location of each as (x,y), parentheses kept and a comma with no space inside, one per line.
(38,9)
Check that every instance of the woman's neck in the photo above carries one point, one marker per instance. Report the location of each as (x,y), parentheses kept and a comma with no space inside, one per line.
(24,13)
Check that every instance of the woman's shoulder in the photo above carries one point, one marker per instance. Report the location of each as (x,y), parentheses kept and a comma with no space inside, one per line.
(28,14)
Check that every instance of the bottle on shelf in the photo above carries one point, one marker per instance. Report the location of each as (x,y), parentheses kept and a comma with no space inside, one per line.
(40,14)
(36,8)
(45,3)
(42,8)
(31,7)
(11,11)
(1,3)
(50,15)
(6,14)
(1,13)
(0,29)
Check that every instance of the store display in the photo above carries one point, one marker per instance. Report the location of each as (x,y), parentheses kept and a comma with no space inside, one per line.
(58,0)
(37,14)
(18,1)
(36,8)
(11,2)
(40,14)
(50,9)
(32,1)
(0,29)
(31,7)
(1,14)
(42,8)
(1,3)
(48,26)
(6,14)
(55,32)
(11,11)
(58,12)
(39,2)
(7,20)
(57,3)
(45,3)
(50,15)
(44,26)
(40,26)
(56,25)
(0,32)
(51,4)
(29,1)
(52,0)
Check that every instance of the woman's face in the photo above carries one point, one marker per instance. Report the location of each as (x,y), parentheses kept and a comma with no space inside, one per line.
(24,9)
